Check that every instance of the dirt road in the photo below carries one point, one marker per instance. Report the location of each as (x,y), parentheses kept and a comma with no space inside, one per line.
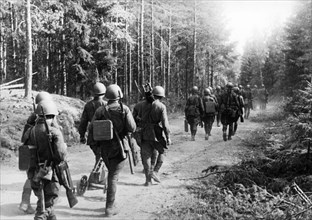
(185,159)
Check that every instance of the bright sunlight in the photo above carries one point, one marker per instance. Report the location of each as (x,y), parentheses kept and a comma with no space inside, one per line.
(245,17)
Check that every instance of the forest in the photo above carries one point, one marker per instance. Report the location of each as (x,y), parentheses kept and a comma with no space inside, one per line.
(176,44)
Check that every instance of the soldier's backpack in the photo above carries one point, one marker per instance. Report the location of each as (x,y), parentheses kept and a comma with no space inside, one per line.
(102,130)
(192,109)
(210,106)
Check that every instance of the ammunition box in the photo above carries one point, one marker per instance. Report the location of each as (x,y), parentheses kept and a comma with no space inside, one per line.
(25,153)
(102,130)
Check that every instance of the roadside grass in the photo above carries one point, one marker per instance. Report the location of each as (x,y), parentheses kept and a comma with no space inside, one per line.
(272,181)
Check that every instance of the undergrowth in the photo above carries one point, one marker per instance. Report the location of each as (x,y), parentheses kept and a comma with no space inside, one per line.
(272,181)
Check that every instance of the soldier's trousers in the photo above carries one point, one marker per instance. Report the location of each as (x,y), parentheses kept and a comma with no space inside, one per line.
(147,152)
(193,122)
(114,166)
(50,191)
(208,121)
(26,192)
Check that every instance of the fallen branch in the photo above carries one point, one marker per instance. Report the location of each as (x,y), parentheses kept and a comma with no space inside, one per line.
(213,173)
(15,80)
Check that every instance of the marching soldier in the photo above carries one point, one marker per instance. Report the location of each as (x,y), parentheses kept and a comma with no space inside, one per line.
(41,173)
(248,101)
(111,151)
(263,97)
(25,205)
(218,96)
(229,106)
(155,126)
(240,112)
(194,111)
(89,109)
(210,109)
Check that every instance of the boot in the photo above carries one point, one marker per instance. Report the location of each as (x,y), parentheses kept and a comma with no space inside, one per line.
(193,138)
(148,179)
(224,136)
(230,135)
(26,208)
(111,211)
(206,136)
(155,177)
(51,214)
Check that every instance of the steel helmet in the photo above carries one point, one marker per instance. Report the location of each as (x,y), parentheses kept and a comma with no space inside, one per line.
(248,86)
(230,85)
(159,91)
(236,89)
(99,89)
(113,92)
(218,88)
(207,91)
(43,96)
(48,106)
(195,89)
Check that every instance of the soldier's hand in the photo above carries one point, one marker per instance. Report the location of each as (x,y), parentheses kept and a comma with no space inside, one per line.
(83,140)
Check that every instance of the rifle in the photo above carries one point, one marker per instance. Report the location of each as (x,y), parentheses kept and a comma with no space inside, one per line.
(148,93)
(136,84)
(34,104)
(125,146)
(64,178)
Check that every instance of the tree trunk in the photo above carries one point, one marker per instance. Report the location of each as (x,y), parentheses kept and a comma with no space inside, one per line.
(63,64)
(130,69)
(28,83)
(142,42)
(2,72)
(169,53)
(139,53)
(152,47)
(212,70)
(194,49)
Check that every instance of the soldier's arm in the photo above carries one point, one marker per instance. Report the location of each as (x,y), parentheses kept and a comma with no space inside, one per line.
(165,123)
(60,152)
(83,122)
(131,125)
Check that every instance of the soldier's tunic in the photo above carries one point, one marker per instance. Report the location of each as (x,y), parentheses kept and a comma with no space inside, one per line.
(31,121)
(152,114)
(248,99)
(208,118)
(193,112)
(124,124)
(38,137)
(86,117)
(229,106)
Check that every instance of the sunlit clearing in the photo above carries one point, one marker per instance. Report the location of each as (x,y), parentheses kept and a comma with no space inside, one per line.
(244,17)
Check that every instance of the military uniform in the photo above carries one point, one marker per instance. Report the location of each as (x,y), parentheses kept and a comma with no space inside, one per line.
(229,106)
(153,115)
(193,112)
(86,117)
(124,123)
(247,102)
(25,203)
(240,110)
(208,118)
(38,137)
